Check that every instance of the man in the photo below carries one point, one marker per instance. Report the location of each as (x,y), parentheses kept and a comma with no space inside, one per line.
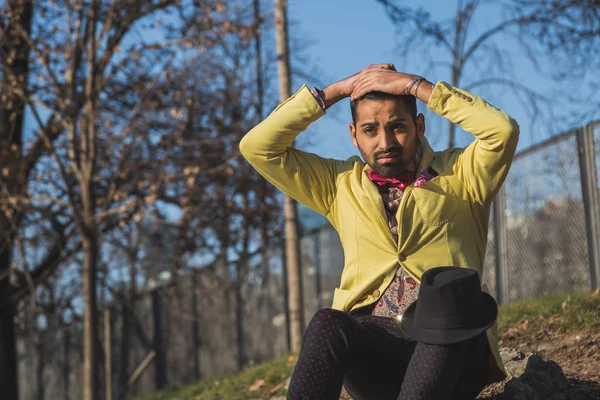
(401,212)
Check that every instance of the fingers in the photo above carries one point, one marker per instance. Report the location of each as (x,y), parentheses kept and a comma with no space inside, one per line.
(377,80)
(381,66)
(362,87)
(367,85)
(373,68)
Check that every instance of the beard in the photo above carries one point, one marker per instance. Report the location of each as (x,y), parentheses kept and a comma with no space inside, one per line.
(389,169)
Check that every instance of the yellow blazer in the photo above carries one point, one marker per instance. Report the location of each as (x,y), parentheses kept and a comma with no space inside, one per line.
(442,223)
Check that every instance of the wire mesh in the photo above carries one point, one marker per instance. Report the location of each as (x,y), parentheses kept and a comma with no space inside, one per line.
(545,223)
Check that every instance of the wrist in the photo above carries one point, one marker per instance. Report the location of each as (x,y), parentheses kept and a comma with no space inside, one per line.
(333,93)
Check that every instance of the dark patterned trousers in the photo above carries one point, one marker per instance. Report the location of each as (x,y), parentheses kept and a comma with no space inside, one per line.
(373,360)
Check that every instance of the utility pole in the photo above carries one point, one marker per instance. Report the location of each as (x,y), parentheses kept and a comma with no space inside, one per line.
(292,247)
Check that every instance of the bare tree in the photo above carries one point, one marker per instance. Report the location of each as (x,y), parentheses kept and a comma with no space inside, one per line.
(127,138)
(454,38)
(292,248)
(84,78)
(568,33)
(18,159)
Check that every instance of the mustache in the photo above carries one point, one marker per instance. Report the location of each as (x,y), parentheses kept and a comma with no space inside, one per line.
(389,153)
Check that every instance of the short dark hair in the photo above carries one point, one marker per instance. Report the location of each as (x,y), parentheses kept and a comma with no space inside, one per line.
(410,102)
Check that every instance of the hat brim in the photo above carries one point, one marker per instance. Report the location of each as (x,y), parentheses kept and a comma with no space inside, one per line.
(413,331)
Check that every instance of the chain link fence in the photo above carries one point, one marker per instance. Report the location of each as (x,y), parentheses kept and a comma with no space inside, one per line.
(548,208)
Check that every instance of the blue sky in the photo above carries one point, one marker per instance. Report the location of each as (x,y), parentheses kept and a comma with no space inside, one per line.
(347,35)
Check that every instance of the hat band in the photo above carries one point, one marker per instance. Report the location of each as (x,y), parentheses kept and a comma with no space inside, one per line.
(448,322)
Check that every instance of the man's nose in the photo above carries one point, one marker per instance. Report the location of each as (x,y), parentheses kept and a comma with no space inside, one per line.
(387,140)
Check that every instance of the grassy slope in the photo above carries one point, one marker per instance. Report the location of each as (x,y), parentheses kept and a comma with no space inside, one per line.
(569,313)
(577,311)
(236,387)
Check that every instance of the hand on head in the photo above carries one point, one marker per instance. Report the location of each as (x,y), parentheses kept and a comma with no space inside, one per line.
(380,80)
(347,85)
(374,78)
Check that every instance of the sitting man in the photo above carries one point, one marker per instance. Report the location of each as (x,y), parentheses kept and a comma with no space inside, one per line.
(402,211)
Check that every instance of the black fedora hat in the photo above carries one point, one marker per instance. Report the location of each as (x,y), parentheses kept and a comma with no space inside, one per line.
(450,307)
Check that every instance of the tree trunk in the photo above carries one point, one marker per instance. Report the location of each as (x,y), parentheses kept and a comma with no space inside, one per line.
(160,372)
(108,388)
(90,317)
(263,183)
(40,367)
(12,111)
(125,315)
(296,301)
(239,324)
(66,370)
(195,327)
(88,225)
(8,351)
(242,270)
(124,349)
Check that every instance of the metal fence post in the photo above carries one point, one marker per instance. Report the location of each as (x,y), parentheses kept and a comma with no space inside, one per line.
(589,190)
(286,300)
(317,260)
(499,208)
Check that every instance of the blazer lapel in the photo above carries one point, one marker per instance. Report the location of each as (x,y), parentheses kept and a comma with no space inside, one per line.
(375,198)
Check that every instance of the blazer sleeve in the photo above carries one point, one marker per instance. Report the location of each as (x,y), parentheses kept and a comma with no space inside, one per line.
(483,165)
(304,176)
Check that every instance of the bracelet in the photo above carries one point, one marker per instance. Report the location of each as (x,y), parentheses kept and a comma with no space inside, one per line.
(417,87)
(409,86)
(412,83)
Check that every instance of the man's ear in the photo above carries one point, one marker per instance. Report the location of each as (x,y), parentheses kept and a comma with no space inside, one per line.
(353,135)
(420,124)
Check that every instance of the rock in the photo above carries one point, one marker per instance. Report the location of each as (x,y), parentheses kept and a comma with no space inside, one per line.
(513,362)
(546,346)
(532,378)
(509,354)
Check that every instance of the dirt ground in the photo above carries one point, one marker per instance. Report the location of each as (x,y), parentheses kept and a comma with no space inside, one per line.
(578,353)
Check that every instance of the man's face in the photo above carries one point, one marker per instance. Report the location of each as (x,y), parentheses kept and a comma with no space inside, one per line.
(386,135)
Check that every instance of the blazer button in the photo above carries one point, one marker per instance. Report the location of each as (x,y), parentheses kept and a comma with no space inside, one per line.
(402,258)
(376,293)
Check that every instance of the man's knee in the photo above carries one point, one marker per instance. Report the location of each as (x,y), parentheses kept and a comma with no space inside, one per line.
(330,324)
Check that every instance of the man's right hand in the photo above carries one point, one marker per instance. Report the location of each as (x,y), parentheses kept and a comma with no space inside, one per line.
(344,88)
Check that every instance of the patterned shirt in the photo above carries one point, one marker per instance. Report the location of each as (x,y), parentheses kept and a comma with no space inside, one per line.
(404,289)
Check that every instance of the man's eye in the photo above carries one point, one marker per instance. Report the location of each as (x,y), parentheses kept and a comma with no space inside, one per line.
(399,127)
(369,131)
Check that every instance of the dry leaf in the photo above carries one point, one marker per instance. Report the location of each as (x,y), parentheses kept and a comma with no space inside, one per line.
(276,388)
(257,385)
